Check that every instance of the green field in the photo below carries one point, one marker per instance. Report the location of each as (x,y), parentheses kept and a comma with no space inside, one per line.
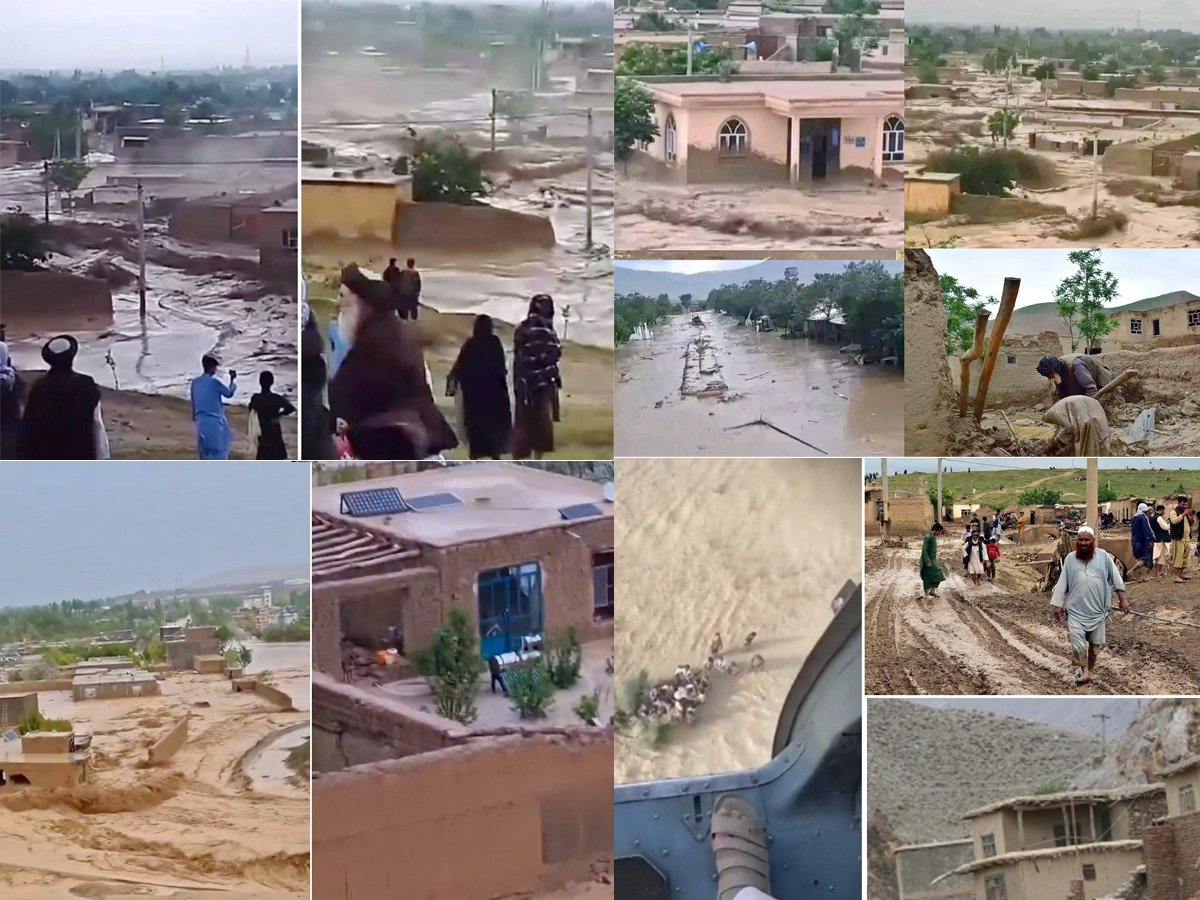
(996,488)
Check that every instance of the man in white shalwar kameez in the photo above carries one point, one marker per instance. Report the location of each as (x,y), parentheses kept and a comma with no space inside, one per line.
(1084,595)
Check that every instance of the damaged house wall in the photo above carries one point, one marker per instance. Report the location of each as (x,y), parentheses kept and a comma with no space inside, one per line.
(930,401)
(1015,380)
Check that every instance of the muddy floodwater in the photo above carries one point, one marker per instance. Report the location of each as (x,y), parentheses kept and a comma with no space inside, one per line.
(266,765)
(802,387)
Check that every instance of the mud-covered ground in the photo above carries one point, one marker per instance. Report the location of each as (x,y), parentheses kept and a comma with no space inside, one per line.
(657,216)
(192,824)
(1157,215)
(805,388)
(998,638)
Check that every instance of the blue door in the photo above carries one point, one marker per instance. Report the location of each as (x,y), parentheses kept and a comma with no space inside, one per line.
(510,607)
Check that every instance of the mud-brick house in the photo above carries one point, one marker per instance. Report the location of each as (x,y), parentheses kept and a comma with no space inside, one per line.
(522,551)
(1081,844)
(926,871)
(44,759)
(1173,843)
(16,707)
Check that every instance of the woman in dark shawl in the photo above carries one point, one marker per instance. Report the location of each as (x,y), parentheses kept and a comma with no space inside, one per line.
(536,380)
(482,376)
(380,390)
(270,407)
(316,425)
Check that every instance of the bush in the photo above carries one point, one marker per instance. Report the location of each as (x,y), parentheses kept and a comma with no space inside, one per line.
(451,666)
(927,72)
(531,690)
(564,657)
(588,709)
(983,172)
(22,242)
(1039,496)
(823,52)
(446,173)
(1053,786)
(35,721)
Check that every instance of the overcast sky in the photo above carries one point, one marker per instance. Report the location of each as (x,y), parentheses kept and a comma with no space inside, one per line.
(88,530)
(1140,273)
(686,265)
(1067,14)
(962,464)
(135,34)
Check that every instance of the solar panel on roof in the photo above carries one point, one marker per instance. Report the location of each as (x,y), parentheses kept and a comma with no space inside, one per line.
(374,502)
(580,511)
(432,501)
(10,736)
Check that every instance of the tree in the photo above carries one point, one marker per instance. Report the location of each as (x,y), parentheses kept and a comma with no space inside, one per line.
(685,299)
(962,306)
(654,21)
(927,72)
(947,497)
(451,666)
(1039,496)
(22,242)
(1156,74)
(1080,298)
(651,59)
(1045,72)
(1106,493)
(991,172)
(1003,123)
(998,59)
(446,173)
(854,33)
(67,174)
(633,111)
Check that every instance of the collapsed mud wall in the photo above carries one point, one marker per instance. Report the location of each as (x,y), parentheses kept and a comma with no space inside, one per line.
(169,744)
(50,301)
(930,402)
(534,811)
(274,695)
(1180,366)
(449,226)
(1015,380)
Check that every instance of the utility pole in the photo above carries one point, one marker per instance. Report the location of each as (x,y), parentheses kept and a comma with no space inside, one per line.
(689,39)
(46,186)
(141,255)
(938,505)
(588,239)
(885,524)
(493,120)
(1093,496)
(1095,174)
(1103,717)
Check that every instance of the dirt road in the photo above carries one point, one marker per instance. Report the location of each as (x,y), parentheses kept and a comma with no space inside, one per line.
(996,639)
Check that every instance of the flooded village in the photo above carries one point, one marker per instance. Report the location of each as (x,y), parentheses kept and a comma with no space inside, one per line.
(777,358)
(476,142)
(1047,137)
(754,125)
(157,740)
(463,673)
(150,219)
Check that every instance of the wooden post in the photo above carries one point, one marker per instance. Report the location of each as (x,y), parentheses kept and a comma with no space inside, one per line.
(976,351)
(1008,302)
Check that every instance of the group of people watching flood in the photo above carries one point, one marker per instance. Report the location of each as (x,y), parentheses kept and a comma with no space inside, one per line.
(380,393)
(60,416)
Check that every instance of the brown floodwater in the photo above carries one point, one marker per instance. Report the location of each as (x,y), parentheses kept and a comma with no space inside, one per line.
(805,388)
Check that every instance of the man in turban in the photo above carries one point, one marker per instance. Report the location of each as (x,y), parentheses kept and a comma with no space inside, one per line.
(62,417)
(1083,596)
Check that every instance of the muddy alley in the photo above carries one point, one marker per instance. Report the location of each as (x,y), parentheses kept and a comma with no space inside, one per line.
(999,638)
(717,389)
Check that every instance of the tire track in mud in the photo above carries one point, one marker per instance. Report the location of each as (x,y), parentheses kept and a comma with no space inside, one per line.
(992,640)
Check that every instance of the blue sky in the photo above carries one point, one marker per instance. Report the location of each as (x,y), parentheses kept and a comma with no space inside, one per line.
(961,464)
(134,34)
(1140,273)
(88,530)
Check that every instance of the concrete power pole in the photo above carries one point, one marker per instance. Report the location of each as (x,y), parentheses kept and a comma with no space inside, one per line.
(141,254)
(1093,496)
(46,188)
(493,120)
(938,505)
(1103,717)
(689,39)
(885,524)
(1095,174)
(588,239)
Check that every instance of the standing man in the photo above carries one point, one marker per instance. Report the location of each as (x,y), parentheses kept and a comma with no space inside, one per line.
(1020,525)
(408,284)
(391,276)
(1181,521)
(931,572)
(213,434)
(1084,596)
(1162,540)
(993,554)
(62,418)
(1142,538)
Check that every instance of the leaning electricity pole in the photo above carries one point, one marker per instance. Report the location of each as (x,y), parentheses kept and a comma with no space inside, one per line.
(938,505)
(885,523)
(1103,717)
(588,239)
(141,254)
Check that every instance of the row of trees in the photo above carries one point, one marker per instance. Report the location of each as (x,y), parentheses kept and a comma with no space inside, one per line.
(633,310)
(1081,300)
(651,59)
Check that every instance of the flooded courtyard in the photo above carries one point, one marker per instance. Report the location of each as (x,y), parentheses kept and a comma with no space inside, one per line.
(826,404)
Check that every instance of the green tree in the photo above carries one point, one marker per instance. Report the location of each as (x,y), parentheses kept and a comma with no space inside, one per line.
(1039,496)
(1003,123)
(998,59)
(1081,298)
(1156,74)
(22,242)
(991,172)
(446,173)
(927,72)
(854,33)
(452,666)
(588,709)
(1045,72)
(962,306)
(1106,493)
(650,59)
(654,21)
(67,175)
(622,330)
(633,112)
(531,690)
(947,496)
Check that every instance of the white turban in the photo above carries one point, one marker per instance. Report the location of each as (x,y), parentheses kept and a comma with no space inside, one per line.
(1087,529)
(1142,507)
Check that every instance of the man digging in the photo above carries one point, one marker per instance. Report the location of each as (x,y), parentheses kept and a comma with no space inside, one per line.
(1083,595)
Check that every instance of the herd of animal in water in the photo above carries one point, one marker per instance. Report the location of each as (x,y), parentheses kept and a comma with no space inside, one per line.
(678,698)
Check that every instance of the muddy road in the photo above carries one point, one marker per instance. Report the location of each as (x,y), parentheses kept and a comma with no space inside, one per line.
(996,639)
(803,387)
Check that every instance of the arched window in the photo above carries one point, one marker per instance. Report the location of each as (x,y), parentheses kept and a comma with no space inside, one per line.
(669,137)
(893,139)
(734,138)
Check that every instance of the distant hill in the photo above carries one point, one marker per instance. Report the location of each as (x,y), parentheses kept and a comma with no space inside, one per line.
(1079,717)
(1039,317)
(652,283)
(250,577)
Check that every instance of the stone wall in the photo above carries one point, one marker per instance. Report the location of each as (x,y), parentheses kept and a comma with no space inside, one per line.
(169,744)
(918,867)
(534,811)
(1173,858)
